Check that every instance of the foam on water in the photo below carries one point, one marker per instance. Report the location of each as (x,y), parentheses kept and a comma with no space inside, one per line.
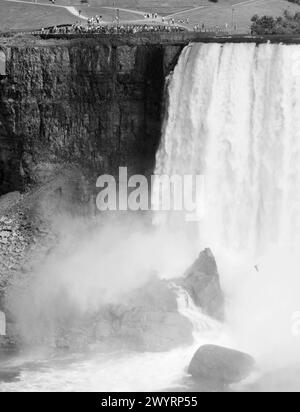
(125,372)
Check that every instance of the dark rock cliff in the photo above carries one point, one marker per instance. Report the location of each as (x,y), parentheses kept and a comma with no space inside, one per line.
(87,103)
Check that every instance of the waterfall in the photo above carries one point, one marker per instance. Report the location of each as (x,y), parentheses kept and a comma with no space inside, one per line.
(204,327)
(234,117)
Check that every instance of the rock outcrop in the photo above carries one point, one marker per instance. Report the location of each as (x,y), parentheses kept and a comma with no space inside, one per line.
(96,104)
(202,282)
(220,365)
(146,320)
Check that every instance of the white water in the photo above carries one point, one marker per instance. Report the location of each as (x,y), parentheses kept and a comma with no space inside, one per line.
(115,372)
(234,117)
(108,373)
(205,328)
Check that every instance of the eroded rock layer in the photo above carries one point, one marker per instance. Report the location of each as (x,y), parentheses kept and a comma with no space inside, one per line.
(91,103)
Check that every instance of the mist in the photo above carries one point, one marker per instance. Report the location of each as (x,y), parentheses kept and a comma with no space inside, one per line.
(262,304)
(96,263)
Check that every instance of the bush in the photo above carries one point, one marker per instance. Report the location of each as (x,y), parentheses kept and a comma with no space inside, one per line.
(287,24)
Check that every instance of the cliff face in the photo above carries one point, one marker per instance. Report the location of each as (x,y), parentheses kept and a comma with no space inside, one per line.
(92,104)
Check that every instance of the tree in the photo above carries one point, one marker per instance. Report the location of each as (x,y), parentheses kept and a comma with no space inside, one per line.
(289,23)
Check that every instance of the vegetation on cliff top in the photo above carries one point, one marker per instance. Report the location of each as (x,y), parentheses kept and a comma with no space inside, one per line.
(289,23)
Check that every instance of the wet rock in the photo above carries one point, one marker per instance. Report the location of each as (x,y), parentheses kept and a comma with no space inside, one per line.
(155,331)
(152,320)
(220,365)
(202,282)
(146,320)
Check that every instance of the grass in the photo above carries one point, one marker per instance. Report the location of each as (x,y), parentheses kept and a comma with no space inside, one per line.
(220,14)
(107,14)
(24,16)
(33,16)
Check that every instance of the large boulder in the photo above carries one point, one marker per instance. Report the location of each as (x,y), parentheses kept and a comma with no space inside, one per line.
(155,331)
(202,282)
(220,365)
(146,320)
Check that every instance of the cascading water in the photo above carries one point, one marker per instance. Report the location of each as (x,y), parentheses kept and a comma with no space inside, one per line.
(205,328)
(234,116)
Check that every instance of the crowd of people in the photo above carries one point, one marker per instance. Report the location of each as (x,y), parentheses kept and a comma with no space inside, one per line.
(94,20)
(151,16)
(164,20)
(215,29)
(111,29)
